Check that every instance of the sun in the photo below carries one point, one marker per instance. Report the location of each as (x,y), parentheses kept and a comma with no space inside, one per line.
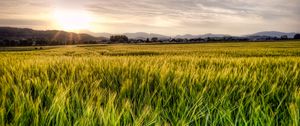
(72,20)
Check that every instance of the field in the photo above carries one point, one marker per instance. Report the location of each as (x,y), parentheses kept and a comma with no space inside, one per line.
(176,84)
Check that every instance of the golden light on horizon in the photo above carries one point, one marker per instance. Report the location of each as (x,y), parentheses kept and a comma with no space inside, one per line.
(72,20)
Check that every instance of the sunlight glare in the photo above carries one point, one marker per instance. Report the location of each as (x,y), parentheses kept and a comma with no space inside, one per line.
(72,20)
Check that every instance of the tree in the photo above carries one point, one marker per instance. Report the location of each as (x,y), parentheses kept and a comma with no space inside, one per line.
(297,36)
(284,37)
(119,38)
(154,39)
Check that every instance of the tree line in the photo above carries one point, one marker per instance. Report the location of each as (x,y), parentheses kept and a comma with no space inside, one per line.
(125,39)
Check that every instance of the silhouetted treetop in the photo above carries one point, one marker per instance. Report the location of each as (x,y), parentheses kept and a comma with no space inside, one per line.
(297,36)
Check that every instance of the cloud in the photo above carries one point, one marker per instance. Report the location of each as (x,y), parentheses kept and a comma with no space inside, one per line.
(24,23)
(174,16)
(14,22)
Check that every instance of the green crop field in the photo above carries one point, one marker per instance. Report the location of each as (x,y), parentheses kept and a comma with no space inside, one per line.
(176,84)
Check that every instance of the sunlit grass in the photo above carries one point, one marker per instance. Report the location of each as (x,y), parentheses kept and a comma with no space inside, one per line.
(185,84)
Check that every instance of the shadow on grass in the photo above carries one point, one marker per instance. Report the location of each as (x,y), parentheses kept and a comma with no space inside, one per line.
(131,54)
(23,49)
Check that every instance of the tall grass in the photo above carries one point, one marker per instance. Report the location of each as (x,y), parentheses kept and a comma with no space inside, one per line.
(197,84)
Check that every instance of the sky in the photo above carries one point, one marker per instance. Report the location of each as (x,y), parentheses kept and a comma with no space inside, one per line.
(168,17)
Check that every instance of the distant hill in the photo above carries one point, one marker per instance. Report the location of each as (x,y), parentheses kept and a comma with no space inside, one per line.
(9,33)
(189,36)
(265,33)
(101,34)
(143,35)
(273,34)
(137,35)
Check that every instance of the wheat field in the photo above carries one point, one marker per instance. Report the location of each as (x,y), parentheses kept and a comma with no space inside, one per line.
(162,84)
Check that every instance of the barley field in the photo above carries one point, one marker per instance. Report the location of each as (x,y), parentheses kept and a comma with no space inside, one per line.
(142,85)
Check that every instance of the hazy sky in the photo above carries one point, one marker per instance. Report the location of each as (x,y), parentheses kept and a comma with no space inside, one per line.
(169,17)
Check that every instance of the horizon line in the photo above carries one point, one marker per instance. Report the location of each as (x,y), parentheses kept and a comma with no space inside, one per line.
(91,32)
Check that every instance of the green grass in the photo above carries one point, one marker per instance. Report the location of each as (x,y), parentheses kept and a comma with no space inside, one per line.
(184,84)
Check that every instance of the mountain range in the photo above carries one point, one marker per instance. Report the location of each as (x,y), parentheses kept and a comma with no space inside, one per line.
(137,35)
(274,34)
(189,36)
(10,32)
(144,35)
